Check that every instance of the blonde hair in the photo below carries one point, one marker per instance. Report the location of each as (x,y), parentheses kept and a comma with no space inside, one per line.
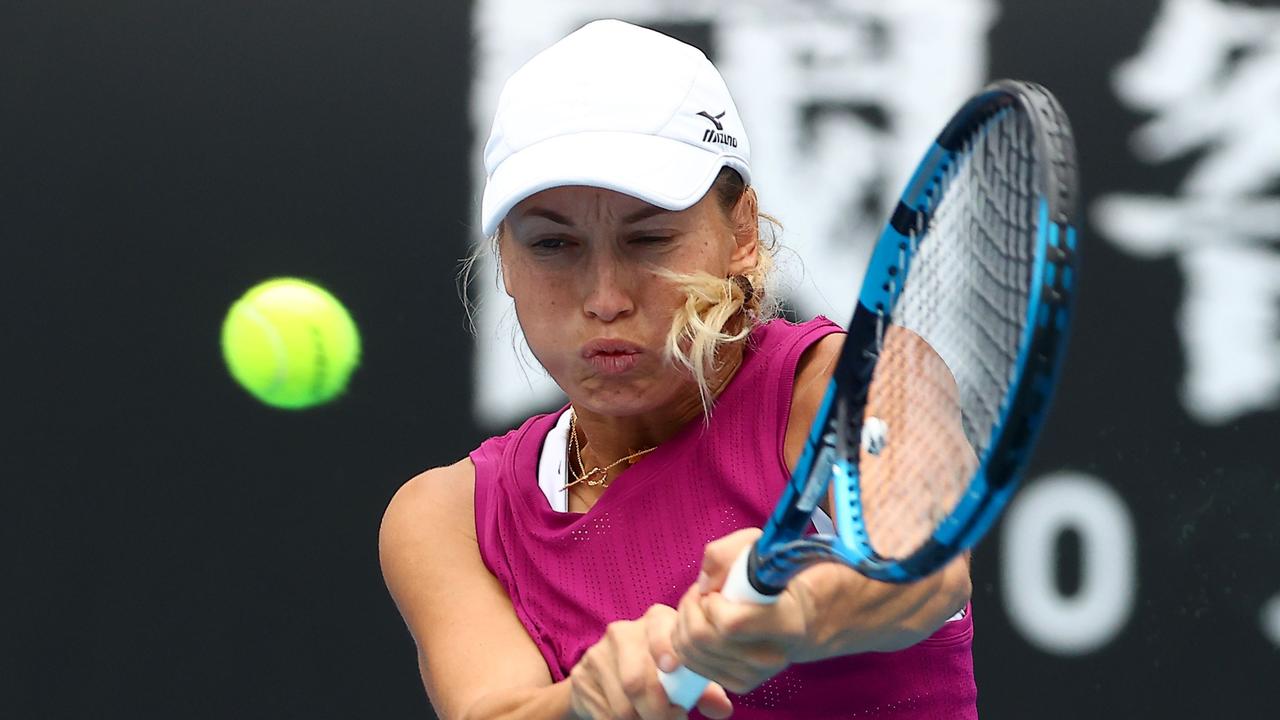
(716,312)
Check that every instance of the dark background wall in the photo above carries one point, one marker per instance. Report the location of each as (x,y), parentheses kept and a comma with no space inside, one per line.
(174,548)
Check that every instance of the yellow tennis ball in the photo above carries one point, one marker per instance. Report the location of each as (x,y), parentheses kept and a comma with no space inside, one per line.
(290,343)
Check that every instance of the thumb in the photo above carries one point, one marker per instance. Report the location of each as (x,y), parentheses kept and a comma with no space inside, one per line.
(719,555)
(659,626)
(714,702)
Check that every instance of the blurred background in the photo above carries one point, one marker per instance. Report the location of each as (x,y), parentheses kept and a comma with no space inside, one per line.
(174,548)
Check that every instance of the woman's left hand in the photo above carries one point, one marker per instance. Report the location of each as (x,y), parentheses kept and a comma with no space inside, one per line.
(736,644)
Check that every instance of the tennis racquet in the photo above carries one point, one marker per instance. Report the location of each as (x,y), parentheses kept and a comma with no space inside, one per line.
(949,363)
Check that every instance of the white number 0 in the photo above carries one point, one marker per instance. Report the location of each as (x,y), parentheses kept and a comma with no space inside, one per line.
(1092,616)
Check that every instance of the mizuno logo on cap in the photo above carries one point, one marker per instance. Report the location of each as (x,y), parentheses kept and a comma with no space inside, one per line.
(716,135)
(713,119)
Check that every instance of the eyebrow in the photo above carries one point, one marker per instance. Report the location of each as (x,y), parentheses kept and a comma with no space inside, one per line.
(643,213)
(551,215)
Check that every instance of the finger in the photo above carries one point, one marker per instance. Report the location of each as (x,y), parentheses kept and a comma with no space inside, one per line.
(638,676)
(748,622)
(739,661)
(588,697)
(693,637)
(660,631)
(701,649)
(619,704)
(615,684)
(715,703)
(760,639)
(737,665)
(660,625)
(719,555)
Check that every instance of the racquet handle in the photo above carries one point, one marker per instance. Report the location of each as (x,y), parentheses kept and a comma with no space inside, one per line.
(685,686)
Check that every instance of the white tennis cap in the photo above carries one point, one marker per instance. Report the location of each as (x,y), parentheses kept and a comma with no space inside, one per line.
(614,106)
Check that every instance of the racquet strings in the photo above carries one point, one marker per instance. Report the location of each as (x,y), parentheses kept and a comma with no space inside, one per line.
(949,345)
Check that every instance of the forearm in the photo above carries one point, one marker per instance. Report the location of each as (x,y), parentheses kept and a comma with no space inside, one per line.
(551,702)
(848,613)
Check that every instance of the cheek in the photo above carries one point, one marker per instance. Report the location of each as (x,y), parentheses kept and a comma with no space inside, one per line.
(530,287)
(713,252)
(538,305)
(541,310)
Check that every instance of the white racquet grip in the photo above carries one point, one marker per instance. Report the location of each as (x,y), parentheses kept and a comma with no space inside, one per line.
(685,686)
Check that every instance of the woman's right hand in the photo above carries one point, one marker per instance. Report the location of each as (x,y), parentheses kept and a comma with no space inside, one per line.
(618,676)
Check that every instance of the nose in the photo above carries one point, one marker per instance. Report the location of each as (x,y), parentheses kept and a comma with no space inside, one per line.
(608,293)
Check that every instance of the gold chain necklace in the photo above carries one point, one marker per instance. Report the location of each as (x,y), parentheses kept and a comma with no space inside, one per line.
(588,475)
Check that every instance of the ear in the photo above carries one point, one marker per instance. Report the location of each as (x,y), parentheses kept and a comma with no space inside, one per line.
(745,220)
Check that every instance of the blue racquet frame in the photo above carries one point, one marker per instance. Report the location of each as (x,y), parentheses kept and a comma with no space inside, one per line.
(830,456)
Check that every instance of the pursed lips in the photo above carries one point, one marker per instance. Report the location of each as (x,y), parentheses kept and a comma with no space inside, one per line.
(611,356)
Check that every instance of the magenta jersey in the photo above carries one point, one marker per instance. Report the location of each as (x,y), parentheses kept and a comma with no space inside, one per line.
(571,574)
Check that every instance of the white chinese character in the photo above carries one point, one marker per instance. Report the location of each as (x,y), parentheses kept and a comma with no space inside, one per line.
(1209,72)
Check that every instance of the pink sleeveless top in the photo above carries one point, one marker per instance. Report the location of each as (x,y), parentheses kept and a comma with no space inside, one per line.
(570,574)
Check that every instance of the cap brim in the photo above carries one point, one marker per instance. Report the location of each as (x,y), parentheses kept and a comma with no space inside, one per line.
(660,171)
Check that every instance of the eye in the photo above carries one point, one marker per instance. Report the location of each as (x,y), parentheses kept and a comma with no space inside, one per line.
(549,244)
(652,239)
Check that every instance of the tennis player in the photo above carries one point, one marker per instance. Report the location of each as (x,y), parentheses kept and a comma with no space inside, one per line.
(552,572)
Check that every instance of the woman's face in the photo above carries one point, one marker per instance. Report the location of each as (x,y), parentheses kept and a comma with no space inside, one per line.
(578,262)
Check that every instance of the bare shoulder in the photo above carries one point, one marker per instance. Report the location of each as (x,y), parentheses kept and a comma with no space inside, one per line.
(452,604)
(812,374)
(429,519)
(816,365)
(439,495)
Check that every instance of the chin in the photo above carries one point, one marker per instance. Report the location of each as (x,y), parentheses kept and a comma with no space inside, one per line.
(633,397)
(619,405)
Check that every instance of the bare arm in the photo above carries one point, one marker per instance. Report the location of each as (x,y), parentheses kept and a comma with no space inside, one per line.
(850,613)
(826,611)
(476,659)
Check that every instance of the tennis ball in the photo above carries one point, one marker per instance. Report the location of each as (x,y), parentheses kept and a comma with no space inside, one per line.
(290,343)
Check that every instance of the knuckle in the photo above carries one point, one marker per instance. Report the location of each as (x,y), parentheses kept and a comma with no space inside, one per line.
(700,634)
(776,660)
(593,658)
(657,612)
(728,624)
(633,685)
(748,683)
(614,630)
